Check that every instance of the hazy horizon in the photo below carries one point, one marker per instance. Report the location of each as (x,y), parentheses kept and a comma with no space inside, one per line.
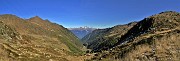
(91,13)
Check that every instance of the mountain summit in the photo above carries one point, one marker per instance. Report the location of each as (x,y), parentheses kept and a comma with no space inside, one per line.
(155,38)
(35,18)
(36,39)
(81,31)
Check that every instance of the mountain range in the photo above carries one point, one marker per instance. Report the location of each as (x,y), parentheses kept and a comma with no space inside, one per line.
(104,38)
(154,38)
(81,31)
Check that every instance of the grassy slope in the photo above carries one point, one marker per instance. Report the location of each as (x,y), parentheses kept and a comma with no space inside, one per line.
(154,38)
(39,41)
(104,38)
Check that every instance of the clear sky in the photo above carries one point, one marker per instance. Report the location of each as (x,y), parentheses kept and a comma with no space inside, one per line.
(92,13)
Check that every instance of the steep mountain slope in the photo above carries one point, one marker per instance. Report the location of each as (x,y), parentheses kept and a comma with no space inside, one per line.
(155,38)
(105,38)
(8,35)
(35,39)
(82,31)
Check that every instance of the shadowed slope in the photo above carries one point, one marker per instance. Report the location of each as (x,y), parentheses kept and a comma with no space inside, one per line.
(155,38)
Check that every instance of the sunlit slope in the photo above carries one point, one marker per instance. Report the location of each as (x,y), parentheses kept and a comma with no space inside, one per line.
(36,39)
(155,38)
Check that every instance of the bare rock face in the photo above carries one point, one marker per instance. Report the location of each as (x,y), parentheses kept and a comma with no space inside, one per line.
(7,33)
(155,38)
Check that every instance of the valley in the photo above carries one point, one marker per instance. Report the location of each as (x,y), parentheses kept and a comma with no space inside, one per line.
(81,31)
(154,38)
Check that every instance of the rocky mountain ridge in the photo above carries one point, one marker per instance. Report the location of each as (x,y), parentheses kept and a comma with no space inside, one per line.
(155,38)
(104,38)
(36,39)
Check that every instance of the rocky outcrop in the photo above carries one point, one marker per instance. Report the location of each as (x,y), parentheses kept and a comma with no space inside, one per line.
(155,38)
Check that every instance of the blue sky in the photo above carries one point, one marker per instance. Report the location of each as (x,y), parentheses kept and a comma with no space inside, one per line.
(92,13)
